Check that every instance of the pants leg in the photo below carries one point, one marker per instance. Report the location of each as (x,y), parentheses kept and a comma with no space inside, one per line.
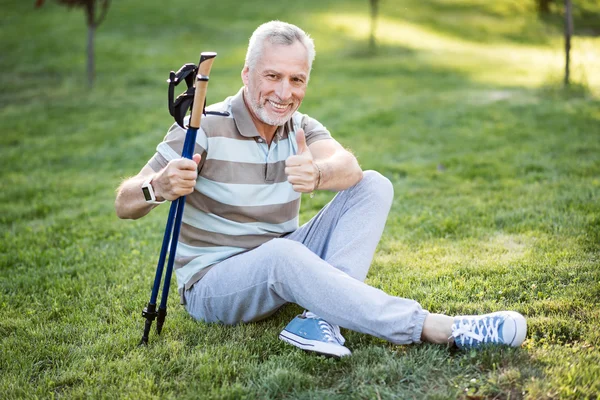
(345,233)
(253,285)
(323,273)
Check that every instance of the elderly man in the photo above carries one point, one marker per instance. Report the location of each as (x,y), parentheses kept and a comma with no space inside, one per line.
(241,254)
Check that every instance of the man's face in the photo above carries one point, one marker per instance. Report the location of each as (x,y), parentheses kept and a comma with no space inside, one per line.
(276,85)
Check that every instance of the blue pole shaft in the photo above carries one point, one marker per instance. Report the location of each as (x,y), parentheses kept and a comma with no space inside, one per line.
(176,211)
(174,239)
(163,253)
(165,244)
(188,150)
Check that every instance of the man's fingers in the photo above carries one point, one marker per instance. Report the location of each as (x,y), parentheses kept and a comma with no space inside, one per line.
(301,189)
(186,163)
(182,187)
(297,173)
(188,175)
(299,180)
(291,171)
(293,179)
(298,160)
(178,178)
(301,141)
(197,157)
(185,180)
(307,170)
(293,161)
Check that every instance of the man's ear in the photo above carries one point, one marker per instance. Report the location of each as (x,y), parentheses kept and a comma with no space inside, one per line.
(245,73)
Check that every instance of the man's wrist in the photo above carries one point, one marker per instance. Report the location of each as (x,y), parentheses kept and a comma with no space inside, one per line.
(157,191)
(150,195)
(319,176)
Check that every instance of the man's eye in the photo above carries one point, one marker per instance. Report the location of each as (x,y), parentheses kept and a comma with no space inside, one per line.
(271,76)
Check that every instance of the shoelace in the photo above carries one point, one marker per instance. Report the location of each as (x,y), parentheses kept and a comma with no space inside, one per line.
(327,331)
(332,332)
(472,329)
(338,334)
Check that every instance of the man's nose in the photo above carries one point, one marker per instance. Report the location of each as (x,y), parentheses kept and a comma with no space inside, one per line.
(284,90)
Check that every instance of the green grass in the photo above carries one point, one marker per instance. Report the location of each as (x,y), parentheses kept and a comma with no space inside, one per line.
(496,170)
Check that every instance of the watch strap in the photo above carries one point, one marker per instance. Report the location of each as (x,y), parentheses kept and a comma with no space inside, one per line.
(148,192)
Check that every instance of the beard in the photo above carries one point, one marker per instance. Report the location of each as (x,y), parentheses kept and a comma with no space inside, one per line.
(259,110)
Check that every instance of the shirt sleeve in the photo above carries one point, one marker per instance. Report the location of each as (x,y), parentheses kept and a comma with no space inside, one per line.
(314,130)
(172,146)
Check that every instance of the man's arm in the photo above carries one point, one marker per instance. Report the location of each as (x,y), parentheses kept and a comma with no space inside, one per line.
(339,168)
(177,179)
(325,164)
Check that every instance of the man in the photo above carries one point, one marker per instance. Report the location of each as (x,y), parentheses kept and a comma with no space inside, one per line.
(241,254)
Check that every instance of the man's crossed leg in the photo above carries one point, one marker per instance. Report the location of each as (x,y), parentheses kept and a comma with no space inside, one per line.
(321,267)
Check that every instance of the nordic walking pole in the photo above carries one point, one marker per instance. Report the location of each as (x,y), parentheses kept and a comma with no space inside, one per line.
(176,211)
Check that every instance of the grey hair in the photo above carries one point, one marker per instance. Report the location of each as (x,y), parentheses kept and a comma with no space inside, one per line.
(278,32)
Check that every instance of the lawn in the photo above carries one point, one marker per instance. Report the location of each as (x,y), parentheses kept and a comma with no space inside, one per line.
(496,170)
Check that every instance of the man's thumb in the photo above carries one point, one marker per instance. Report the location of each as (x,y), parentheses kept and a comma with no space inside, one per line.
(197,157)
(301,140)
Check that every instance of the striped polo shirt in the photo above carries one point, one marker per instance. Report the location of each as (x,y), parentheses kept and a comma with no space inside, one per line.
(242,198)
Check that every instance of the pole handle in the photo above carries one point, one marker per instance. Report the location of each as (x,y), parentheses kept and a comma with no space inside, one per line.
(206,61)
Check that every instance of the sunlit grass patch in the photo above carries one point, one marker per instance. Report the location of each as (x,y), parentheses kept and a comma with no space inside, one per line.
(528,65)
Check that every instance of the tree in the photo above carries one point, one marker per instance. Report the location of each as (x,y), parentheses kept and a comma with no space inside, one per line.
(374,12)
(93,19)
(568,34)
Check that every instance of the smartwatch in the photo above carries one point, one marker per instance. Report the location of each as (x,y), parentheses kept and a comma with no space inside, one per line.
(148,191)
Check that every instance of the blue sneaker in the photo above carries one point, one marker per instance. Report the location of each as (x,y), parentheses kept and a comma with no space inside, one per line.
(503,327)
(311,333)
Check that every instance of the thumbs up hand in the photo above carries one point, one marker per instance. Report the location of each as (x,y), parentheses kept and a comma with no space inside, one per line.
(301,169)
(301,141)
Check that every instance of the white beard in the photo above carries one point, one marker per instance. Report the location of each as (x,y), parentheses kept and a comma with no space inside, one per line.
(261,112)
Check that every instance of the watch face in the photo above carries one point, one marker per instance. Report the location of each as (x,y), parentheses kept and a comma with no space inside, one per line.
(147,194)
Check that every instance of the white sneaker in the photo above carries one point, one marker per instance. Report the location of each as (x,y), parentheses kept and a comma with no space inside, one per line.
(503,327)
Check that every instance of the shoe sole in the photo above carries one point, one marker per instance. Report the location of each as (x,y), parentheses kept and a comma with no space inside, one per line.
(314,346)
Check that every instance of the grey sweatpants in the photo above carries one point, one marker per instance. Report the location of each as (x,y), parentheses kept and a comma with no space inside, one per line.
(321,267)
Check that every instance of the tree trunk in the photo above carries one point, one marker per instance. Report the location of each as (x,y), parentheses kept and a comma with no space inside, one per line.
(90,9)
(568,33)
(90,55)
(374,12)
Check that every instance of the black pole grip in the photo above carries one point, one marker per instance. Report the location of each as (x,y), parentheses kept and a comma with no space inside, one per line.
(149,312)
(160,320)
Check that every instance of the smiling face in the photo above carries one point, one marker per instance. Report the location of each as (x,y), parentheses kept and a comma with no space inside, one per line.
(275,86)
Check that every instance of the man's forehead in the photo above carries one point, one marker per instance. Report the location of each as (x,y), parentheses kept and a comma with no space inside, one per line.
(292,57)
